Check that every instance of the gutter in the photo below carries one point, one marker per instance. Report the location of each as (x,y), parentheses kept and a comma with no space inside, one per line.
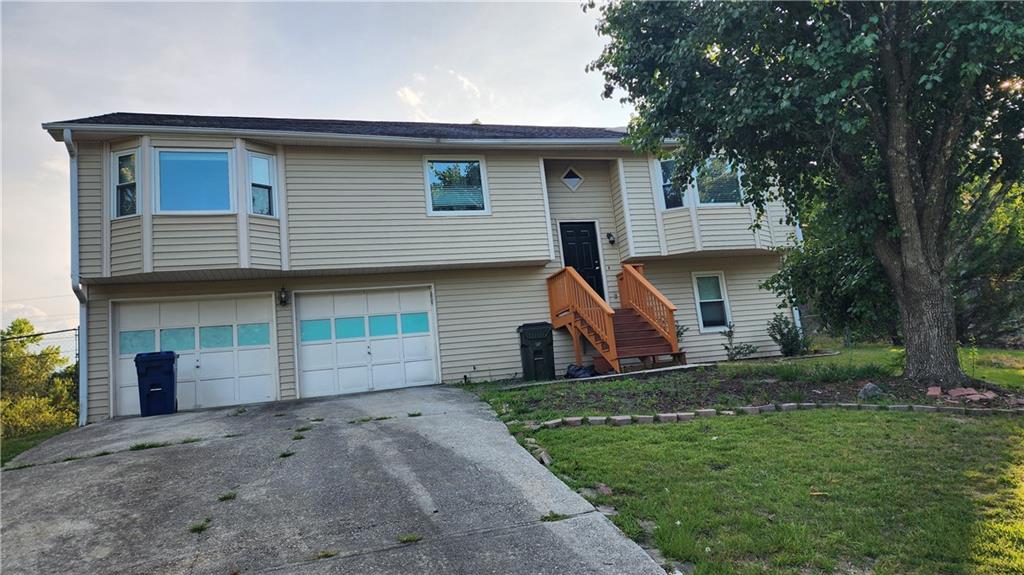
(76,286)
(796,310)
(355,139)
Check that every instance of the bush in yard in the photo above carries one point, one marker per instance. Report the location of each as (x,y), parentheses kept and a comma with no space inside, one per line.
(790,338)
(734,350)
(30,414)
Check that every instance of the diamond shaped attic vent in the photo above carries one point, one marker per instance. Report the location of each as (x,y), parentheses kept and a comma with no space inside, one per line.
(572,179)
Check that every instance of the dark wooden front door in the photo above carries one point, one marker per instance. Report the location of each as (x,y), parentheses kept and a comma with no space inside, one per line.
(580,249)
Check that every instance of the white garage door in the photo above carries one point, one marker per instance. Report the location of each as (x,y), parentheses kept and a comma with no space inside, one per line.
(367,340)
(226,350)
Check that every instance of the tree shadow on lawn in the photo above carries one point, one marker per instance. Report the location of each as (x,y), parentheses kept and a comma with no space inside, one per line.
(818,491)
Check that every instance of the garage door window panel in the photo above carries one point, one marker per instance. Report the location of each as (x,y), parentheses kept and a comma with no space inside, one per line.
(413,323)
(383,325)
(178,339)
(251,334)
(315,330)
(215,337)
(350,328)
(136,341)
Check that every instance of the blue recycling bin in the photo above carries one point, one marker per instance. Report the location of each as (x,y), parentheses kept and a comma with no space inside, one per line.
(157,382)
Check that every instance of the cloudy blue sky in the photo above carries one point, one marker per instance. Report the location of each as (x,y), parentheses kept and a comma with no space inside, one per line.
(499,63)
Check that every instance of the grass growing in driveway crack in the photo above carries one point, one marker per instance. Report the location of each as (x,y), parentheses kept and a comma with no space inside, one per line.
(552,516)
(303,428)
(238,412)
(199,527)
(326,554)
(188,440)
(409,538)
(414,414)
(230,435)
(147,445)
(382,418)
(298,436)
(316,419)
(361,420)
(285,454)
(227,496)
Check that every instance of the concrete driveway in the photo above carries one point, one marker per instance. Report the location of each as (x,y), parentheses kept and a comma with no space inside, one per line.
(452,477)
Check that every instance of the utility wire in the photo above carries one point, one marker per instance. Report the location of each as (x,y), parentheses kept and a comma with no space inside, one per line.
(13,337)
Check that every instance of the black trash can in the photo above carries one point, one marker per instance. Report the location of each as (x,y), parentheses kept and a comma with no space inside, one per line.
(157,382)
(537,349)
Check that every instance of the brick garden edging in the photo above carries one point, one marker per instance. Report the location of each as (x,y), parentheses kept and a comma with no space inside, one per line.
(617,420)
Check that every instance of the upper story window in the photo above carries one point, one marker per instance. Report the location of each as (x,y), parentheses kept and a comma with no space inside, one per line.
(194,181)
(712,302)
(673,192)
(456,186)
(126,198)
(261,185)
(718,182)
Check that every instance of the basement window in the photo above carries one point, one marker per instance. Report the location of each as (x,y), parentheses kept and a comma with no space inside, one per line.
(712,302)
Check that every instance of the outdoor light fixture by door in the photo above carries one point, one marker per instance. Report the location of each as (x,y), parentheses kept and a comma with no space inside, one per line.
(282,297)
(611,238)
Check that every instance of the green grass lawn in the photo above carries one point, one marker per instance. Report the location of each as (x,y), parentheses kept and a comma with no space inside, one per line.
(12,446)
(813,491)
(1003,367)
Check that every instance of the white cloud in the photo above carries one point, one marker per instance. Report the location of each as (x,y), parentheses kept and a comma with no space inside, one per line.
(414,100)
(467,85)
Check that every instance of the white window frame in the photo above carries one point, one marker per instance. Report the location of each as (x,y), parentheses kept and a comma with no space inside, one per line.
(232,195)
(114,171)
(274,204)
(575,171)
(661,189)
(725,300)
(456,158)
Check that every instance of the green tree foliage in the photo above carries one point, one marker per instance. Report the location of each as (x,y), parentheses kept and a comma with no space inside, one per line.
(901,120)
(848,289)
(39,386)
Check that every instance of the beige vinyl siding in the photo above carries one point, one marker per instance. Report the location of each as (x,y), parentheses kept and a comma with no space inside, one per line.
(194,242)
(90,209)
(725,227)
(591,201)
(126,246)
(285,327)
(264,243)
(678,225)
(98,348)
(750,306)
(621,235)
(357,208)
(642,208)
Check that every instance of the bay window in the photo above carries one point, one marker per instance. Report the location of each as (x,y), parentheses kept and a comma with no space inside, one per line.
(126,187)
(194,181)
(261,185)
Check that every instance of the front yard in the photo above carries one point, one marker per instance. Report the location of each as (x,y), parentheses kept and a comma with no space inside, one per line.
(816,491)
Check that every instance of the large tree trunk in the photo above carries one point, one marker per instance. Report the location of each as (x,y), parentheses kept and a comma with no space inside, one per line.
(928,319)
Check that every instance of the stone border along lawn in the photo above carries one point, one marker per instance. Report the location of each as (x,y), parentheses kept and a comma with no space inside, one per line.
(617,420)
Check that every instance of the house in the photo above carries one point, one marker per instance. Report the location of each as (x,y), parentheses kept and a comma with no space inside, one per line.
(285,258)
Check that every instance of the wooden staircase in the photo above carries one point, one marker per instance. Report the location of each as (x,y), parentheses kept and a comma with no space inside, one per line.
(644,328)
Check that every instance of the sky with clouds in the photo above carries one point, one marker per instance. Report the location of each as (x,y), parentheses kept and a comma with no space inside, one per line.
(498,63)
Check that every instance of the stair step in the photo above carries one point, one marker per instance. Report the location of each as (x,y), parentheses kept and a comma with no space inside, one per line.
(645,351)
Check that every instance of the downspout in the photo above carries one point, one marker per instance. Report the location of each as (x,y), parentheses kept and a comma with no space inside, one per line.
(76,286)
(796,309)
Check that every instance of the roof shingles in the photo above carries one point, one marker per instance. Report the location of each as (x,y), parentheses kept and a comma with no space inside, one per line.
(352,127)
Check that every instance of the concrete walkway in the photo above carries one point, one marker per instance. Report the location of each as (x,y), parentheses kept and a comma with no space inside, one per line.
(452,477)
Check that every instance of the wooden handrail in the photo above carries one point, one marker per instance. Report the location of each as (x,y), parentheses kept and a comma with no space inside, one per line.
(574,303)
(638,294)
